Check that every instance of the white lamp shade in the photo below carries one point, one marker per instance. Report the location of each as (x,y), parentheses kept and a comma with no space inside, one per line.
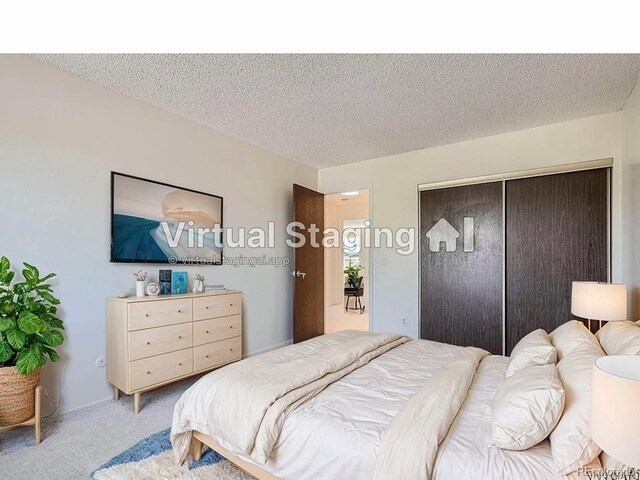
(615,407)
(599,301)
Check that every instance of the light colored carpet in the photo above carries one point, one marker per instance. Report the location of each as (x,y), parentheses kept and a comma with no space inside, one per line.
(77,443)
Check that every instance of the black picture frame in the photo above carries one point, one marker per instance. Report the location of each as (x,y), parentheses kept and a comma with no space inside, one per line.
(114,259)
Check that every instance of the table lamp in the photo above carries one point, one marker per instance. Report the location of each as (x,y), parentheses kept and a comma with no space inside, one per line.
(599,301)
(615,407)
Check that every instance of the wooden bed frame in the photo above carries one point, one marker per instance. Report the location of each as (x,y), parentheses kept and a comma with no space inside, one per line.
(198,443)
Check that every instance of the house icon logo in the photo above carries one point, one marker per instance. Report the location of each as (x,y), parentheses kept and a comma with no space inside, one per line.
(443,232)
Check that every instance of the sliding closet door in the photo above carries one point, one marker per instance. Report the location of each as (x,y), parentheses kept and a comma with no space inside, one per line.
(556,232)
(461,265)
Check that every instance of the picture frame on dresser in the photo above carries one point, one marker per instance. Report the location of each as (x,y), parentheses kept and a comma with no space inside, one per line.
(155,341)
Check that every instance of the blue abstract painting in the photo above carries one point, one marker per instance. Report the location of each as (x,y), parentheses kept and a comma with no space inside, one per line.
(158,223)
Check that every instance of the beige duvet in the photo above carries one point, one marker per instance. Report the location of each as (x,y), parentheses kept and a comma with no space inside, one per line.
(244,405)
(421,410)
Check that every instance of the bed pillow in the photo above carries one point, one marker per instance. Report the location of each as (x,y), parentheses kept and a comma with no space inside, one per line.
(527,407)
(534,349)
(620,338)
(571,335)
(571,444)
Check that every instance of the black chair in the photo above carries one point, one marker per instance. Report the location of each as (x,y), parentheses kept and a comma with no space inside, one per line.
(357,293)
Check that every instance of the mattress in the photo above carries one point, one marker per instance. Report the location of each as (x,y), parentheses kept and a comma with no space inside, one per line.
(336,434)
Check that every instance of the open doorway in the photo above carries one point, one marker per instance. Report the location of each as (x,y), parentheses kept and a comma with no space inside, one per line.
(346,268)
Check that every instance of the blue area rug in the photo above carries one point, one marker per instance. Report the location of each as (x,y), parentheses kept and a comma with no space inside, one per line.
(152,458)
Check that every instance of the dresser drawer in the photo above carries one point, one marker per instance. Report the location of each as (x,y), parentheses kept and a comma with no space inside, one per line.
(217,306)
(158,369)
(217,353)
(154,341)
(207,331)
(158,313)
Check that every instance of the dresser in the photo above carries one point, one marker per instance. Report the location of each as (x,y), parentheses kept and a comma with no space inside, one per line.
(154,341)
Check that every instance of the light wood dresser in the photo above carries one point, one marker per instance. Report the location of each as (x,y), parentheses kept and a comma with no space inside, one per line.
(153,341)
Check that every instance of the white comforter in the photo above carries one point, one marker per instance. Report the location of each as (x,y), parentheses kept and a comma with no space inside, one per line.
(244,405)
(336,435)
(409,445)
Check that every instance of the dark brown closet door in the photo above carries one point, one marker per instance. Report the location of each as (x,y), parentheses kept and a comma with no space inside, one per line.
(461,265)
(556,231)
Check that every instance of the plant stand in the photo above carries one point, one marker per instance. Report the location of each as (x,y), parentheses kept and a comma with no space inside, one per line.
(35,420)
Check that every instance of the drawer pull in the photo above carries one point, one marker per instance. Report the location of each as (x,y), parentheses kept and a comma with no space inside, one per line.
(179,336)
(231,349)
(179,364)
(207,356)
(207,331)
(231,304)
(148,343)
(148,373)
(146,314)
(179,311)
(230,326)
(207,307)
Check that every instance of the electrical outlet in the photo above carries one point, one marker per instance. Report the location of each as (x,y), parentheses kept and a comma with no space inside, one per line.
(100,362)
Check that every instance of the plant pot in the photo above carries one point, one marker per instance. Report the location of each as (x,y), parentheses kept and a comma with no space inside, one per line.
(198,286)
(17,395)
(139,289)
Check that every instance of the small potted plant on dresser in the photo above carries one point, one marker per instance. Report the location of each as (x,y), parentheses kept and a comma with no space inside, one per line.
(29,333)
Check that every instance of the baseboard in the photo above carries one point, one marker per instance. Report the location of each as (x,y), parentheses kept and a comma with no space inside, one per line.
(63,411)
(268,349)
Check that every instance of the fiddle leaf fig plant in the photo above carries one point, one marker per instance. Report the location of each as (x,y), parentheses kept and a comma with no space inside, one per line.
(29,327)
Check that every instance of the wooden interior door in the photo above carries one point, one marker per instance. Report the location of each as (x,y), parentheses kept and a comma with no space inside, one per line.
(557,232)
(461,256)
(308,297)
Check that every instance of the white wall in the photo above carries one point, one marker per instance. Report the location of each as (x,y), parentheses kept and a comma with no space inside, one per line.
(631,198)
(60,137)
(333,258)
(336,213)
(392,181)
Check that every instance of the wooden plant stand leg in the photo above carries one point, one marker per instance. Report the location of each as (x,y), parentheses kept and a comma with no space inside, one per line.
(36,420)
(38,416)
(116,393)
(136,402)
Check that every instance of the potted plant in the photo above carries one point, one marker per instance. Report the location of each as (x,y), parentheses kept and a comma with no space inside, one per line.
(29,333)
(353,273)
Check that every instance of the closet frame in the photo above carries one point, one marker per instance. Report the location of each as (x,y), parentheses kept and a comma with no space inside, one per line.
(604,163)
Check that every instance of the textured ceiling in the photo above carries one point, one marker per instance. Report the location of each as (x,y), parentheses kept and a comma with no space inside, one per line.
(326,110)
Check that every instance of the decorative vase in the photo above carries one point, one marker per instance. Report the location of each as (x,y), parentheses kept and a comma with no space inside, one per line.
(198,286)
(17,395)
(139,288)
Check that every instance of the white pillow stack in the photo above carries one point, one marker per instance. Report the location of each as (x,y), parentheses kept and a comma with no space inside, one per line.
(570,335)
(571,444)
(534,349)
(527,407)
(620,338)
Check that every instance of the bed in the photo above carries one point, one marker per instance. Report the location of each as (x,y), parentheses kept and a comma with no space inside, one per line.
(341,428)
